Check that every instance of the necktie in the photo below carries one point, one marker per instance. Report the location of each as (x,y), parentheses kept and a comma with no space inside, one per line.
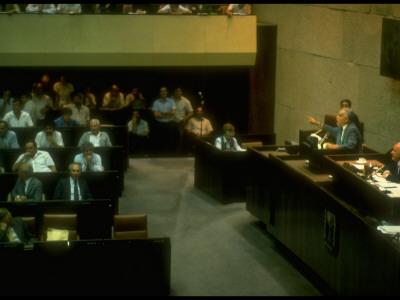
(76,193)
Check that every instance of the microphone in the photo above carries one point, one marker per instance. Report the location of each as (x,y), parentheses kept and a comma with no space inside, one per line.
(323,139)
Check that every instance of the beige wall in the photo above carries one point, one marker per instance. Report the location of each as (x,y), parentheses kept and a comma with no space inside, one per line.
(124,40)
(328,52)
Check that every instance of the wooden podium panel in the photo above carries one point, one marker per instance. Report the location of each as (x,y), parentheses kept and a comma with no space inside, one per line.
(339,246)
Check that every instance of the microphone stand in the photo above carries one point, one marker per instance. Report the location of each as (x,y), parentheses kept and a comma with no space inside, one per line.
(201,117)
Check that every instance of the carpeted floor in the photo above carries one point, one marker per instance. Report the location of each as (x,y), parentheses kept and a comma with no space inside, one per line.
(217,250)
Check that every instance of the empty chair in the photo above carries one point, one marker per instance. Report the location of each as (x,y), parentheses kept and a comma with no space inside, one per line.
(61,222)
(130,226)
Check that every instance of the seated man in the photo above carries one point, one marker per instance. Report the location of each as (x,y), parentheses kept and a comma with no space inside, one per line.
(27,187)
(8,138)
(49,138)
(17,117)
(66,119)
(392,171)
(346,133)
(80,112)
(14,230)
(95,136)
(138,130)
(87,159)
(227,142)
(198,125)
(114,99)
(72,187)
(41,161)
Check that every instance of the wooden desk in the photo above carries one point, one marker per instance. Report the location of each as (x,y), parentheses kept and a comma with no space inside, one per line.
(354,189)
(95,217)
(95,267)
(340,247)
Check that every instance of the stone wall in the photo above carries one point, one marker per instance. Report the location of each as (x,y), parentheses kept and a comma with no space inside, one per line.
(328,52)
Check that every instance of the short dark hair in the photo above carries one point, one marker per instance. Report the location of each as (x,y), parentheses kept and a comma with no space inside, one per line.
(4,122)
(87,145)
(345,100)
(66,111)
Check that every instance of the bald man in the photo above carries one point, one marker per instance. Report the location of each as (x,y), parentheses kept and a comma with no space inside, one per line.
(391,171)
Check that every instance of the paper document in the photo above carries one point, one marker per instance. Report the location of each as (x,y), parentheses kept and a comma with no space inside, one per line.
(389,229)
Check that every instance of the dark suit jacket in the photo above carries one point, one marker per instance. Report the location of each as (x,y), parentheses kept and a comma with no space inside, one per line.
(22,231)
(394,176)
(351,139)
(63,189)
(34,191)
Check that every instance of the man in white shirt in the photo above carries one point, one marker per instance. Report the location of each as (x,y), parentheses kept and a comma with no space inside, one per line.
(41,161)
(95,136)
(227,142)
(17,117)
(49,137)
(80,112)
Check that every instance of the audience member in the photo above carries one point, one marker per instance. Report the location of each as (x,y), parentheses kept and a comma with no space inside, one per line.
(66,119)
(63,90)
(43,103)
(199,125)
(69,9)
(89,98)
(40,8)
(114,99)
(12,9)
(14,230)
(392,171)
(238,9)
(174,9)
(17,117)
(138,130)
(135,100)
(28,106)
(95,136)
(49,137)
(183,111)
(80,112)
(40,160)
(8,138)
(346,133)
(227,142)
(48,86)
(27,187)
(5,103)
(201,8)
(164,111)
(72,187)
(90,161)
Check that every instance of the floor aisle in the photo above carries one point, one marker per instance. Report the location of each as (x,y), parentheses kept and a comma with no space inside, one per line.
(217,250)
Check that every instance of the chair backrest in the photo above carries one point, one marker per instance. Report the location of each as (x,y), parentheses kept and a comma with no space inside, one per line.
(130,226)
(31,223)
(60,221)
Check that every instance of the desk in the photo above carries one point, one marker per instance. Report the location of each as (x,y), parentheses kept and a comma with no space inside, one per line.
(95,217)
(140,267)
(340,247)
(367,198)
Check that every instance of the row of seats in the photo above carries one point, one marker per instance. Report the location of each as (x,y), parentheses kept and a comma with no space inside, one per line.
(125,226)
(103,185)
(71,135)
(112,158)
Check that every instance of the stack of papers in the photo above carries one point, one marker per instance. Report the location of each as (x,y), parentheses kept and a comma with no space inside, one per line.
(389,229)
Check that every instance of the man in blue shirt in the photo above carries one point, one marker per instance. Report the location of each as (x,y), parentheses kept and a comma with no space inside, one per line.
(66,119)
(8,138)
